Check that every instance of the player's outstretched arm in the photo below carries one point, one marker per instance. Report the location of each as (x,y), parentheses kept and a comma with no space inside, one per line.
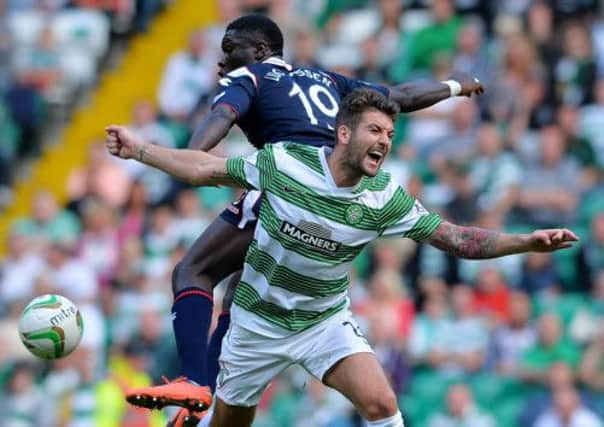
(213,128)
(192,166)
(480,243)
(414,96)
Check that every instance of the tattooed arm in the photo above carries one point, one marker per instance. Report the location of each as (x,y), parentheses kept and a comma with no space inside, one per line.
(193,166)
(480,243)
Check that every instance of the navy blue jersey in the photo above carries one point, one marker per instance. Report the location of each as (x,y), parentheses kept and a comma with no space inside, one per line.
(275,102)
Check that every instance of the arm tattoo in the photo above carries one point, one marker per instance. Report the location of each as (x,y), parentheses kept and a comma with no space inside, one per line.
(465,242)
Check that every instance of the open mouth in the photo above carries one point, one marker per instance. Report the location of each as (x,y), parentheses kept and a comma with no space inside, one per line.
(375,156)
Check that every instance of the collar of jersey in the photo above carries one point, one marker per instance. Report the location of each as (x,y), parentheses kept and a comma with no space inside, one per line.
(333,188)
(278,62)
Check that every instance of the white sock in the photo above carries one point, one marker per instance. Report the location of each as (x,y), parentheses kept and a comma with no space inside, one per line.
(393,421)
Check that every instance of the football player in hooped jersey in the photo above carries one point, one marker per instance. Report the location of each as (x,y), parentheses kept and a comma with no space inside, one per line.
(320,207)
(270,101)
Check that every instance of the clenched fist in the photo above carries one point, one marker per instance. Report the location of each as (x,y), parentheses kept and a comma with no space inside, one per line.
(121,142)
(470,85)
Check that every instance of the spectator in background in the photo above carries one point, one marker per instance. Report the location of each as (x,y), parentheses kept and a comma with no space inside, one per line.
(495,173)
(559,377)
(389,350)
(38,68)
(48,222)
(462,208)
(134,213)
(586,322)
(188,76)
(460,346)
(304,49)
(436,39)
(577,146)
(459,143)
(157,343)
(471,55)
(190,219)
(539,276)
(371,68)
(23,403)
(591,371)
(18,269)
(590,259)
(329,408)
(550,185)
(388,297)
(461,410)
(426,327)
(511,340)
(146,125)
(103,178)
(541,28)
(574,72)
(567,411)
(491,296)
(126,370)
(159,240)
(99,244)
(591,121)
(550,348)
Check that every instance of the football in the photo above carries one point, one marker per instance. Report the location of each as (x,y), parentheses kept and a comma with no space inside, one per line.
(51,326)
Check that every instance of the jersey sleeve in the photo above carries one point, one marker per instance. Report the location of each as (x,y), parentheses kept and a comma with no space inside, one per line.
(346,85)
(253,172)
(237,90)
(408,218)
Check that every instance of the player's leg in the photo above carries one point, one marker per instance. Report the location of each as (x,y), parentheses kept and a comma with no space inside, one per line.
(362,380)
(224,320)
(218,252)
(340,356)
(232,416)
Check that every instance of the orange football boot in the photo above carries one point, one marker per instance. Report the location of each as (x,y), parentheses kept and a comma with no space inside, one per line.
(178,392)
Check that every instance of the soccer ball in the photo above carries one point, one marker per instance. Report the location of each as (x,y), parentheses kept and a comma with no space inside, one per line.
(51,326)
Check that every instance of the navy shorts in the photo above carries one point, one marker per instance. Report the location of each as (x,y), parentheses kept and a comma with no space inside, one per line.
(244,212)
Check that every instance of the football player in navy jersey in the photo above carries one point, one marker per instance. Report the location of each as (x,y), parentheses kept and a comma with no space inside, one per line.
(270,101)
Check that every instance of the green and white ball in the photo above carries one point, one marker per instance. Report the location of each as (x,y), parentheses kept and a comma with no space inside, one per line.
(51,326)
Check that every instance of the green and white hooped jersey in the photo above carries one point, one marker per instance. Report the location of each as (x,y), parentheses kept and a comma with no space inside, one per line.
(308,233)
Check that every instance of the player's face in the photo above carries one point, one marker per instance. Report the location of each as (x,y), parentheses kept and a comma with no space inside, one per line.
(237,51)
(370,142)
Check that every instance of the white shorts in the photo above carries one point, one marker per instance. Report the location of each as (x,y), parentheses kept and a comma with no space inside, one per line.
(249,361)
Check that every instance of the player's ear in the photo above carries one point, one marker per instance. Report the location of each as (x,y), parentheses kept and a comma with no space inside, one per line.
(343,134)
(261,50)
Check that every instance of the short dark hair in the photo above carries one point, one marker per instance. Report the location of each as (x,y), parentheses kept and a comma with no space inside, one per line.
(260,26)
(358,101)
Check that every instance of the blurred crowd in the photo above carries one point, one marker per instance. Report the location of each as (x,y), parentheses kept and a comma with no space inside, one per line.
(517,341)
(51,54)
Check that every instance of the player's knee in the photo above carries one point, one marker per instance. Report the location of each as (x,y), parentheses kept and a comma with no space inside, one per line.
(184,277)
(381,406)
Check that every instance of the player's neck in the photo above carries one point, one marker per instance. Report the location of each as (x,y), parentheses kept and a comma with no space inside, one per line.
(342,174)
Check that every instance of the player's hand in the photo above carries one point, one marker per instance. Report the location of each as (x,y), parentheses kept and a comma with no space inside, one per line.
(121,142)
(551,240)
(470,85)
